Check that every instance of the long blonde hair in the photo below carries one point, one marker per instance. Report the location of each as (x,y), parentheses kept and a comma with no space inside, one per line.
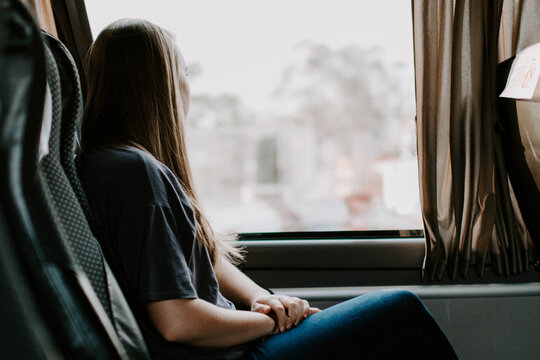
(138,95)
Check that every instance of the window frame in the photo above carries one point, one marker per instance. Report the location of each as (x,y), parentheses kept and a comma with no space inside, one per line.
(81,16)
(329,235)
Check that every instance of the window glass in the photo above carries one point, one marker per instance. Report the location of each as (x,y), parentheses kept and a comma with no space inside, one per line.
(302,112)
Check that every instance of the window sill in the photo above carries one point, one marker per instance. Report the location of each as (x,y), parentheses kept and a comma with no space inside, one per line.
(388,253)
(423,291)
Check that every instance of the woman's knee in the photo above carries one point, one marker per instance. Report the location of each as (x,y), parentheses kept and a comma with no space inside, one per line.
(403,300)
(403,296)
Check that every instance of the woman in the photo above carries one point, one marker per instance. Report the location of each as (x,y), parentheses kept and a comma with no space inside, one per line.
(177,275)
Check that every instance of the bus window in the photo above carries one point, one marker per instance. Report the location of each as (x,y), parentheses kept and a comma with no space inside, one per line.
(302,112)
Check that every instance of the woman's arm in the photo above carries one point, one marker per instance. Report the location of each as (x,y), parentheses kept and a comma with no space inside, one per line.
(236,286)
(240,289)
(199,323)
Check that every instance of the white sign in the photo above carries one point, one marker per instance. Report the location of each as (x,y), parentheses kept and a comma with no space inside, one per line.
(524,74)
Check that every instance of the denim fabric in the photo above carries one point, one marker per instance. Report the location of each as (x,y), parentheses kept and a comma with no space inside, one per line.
(387,324)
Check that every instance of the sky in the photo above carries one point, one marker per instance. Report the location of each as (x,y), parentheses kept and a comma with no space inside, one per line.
(243,45)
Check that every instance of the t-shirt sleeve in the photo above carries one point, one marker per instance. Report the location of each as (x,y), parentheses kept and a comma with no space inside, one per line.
(151,254)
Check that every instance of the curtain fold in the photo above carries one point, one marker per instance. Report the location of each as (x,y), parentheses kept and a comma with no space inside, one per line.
(73,30)
(42,11)
(519,28)
(469,211)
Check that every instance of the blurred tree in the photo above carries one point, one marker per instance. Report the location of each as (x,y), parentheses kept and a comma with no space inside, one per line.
(218,110)
(338,90)
(208,111)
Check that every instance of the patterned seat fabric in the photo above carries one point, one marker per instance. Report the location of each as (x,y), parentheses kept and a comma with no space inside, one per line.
(80,241)
(59,169)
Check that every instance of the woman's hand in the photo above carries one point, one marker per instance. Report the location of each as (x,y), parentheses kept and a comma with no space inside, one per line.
(287,311)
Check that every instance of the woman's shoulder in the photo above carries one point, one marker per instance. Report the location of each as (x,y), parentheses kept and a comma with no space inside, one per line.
(121,161)
(129,170)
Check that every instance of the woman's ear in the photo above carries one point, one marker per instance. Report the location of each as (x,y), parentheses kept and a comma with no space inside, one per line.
(185,95)
(183,86)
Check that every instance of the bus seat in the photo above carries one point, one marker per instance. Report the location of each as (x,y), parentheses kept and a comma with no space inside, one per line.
(59,166)
(41,210)
(30,234)
(72,106)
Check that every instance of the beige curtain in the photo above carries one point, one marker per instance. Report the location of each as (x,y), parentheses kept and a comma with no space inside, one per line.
(519,28)
(73,30)
(43,12)
(469,212)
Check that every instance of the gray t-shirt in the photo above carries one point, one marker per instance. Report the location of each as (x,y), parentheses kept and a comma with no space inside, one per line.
(146,228)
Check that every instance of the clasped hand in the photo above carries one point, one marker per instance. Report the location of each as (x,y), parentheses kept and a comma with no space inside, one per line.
(286,311)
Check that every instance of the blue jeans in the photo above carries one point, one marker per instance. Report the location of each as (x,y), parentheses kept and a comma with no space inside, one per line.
(388,324)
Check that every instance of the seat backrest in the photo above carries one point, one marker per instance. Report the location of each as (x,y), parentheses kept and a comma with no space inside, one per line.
(59,286)
(87,255)
(23,333)
(59,169)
